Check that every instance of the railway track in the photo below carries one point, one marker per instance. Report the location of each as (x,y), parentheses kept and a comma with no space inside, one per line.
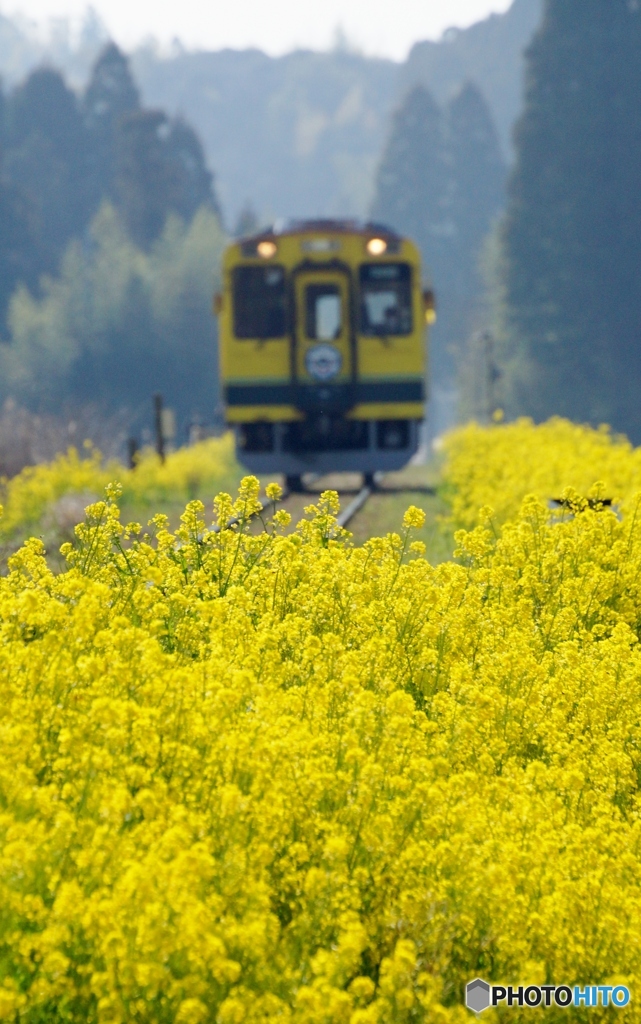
(384,493)
(354,506)
(353,502)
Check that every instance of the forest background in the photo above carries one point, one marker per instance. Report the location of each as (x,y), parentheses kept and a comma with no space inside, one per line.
(123,176)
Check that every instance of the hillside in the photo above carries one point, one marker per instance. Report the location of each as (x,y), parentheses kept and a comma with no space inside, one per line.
(489,53)
(294,135)
(299,134)
(318,121)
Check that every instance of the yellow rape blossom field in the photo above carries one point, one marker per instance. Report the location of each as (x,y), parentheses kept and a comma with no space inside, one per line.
(500,466)
(209,464)
(255,777)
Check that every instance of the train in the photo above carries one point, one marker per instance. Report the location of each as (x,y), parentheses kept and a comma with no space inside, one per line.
(323,348)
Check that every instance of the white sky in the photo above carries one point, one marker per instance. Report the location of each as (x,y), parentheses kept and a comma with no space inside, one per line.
(384,27)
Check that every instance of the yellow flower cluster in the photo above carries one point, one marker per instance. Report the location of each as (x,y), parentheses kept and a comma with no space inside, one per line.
(254,777)
(500,465)
(209,464)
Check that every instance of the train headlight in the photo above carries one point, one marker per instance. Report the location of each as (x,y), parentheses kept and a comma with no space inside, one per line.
(266,249)
(376,246)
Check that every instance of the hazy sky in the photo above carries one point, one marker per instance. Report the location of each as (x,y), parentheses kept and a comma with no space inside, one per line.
(386,27)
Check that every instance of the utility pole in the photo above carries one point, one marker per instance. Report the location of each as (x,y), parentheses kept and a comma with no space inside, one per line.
(160,437)
(492,373)
(132,450)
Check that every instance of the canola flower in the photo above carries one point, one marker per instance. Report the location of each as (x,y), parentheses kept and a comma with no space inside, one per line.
(500,465)
(209,464)
(256,777)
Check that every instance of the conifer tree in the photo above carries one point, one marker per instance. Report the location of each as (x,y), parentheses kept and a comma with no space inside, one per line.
(46,159)
(146,183)
(476,185)
(159,169)
(111,95)
(195,180)
(571,236)
(19,245)
(411,197)
(410,183)
(441,182)
(475,196)
(111,91)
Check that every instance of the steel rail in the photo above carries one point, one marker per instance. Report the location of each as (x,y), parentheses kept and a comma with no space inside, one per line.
(354,506)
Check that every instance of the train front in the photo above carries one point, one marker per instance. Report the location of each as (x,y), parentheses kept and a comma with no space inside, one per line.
(322,349)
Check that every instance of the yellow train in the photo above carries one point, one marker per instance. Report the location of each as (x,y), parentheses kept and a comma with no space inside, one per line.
(322,348)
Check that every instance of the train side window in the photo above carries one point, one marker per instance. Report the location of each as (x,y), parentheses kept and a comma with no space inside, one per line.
(385,298)
(323,314)
(259,302)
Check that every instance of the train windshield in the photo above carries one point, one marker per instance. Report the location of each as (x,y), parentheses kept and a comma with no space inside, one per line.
(323,314)
(259,302)
(386,298)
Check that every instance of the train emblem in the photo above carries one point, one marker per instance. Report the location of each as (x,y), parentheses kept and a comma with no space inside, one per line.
(323,363)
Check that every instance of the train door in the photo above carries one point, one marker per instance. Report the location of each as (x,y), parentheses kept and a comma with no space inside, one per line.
(323,354)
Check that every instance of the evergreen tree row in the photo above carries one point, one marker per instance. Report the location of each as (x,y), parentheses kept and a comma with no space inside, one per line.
(571,241)
(441,182)
(61,155)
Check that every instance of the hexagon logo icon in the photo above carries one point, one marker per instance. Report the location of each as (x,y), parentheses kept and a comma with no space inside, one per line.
(477,995)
